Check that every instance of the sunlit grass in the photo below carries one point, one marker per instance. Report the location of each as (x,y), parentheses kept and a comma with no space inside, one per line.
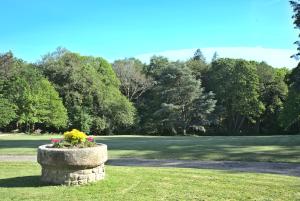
(20,181)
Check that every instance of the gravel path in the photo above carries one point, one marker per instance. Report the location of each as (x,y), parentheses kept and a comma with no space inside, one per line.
(292,169)
(17,158)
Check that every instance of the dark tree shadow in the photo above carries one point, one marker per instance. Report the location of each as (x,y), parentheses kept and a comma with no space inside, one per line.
(226,148)
(23,143)
(26,181)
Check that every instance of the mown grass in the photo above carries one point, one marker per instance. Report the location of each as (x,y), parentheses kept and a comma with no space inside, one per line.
(232,148)
(20,181)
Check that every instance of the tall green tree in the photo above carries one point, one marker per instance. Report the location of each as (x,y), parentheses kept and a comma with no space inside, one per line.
(215,57)
(294,77)
(90,91)
(198,68)
(296,17)
(236,85)
(198,55)
(31,96)
(49,108)
(291,109)
(156,65)
(178,103)
(8,112)
(273,92)
(290,114)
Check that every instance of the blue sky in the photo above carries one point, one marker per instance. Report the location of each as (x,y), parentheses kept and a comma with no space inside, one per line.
(125,28)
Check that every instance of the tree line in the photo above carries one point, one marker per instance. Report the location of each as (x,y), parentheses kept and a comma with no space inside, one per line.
(223,96)
(63,90)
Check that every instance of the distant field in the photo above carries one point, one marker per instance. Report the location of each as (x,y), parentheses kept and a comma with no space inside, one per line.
(236,148)
(21,181)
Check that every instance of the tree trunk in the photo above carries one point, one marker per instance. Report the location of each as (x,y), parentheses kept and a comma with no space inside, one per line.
(236,123)
(173,130)
(33,127)
(27,128)
(241,123)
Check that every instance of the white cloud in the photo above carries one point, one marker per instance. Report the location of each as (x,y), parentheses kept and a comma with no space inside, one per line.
(274,57)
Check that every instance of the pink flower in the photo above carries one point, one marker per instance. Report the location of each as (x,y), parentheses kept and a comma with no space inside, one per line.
(90,139)
(55,141)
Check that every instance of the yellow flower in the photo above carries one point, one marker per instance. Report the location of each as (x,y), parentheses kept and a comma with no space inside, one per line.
(75,136)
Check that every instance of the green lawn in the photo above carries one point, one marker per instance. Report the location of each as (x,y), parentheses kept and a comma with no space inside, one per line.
(20,181)
(234,148)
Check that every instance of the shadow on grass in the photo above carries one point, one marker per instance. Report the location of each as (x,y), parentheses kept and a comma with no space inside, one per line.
(19,182)
(228,148)
(22,143)
(261,148)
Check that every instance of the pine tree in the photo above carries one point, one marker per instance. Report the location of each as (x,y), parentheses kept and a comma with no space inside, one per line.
(183,105)
(215,57)
(199,56)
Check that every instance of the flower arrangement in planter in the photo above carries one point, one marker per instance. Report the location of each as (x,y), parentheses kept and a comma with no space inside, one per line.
(74,160)
(74,139)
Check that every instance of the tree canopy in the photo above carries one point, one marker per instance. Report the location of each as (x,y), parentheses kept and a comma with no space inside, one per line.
(291,108)
(133,80)
(68,90)
(28,98)
(178,102)
(90,91)
(236,85)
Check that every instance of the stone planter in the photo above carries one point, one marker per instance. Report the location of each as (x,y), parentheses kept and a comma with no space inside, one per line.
(72,166)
